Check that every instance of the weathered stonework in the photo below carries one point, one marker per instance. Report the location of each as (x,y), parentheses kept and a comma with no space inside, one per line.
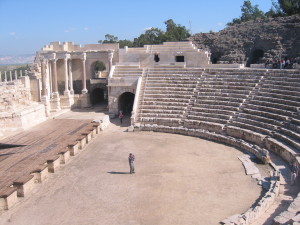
(240,43)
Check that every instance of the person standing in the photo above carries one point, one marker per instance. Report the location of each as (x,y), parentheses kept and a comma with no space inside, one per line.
(131,159)
(294,173)
(121,116)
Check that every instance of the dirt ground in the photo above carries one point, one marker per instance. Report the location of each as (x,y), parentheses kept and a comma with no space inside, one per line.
(179,180)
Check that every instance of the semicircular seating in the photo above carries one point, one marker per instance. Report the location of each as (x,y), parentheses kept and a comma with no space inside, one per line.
(255,110)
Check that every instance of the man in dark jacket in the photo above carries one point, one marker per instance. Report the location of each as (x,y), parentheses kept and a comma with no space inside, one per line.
(131,159)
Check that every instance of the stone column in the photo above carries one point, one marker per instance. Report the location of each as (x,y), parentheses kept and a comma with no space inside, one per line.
(66,92)
(43,75)
(16,75)
(54,79)
(5,76)
(44,97)
(84,90)
(1,76)
(55,94)
(21,73)
(71,77)
(110,57)
(10,76)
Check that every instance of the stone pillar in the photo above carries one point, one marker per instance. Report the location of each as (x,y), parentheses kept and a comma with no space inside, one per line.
(43,75)
(66,92)
(71,77)
(16,75)
(10,76)
(110,57)
(21,73)
(84,97)
(26,73)
(44,98)
(5,76)
(1,76)
(55,94)
(84,90)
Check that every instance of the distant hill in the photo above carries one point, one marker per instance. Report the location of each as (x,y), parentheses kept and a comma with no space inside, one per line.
(18,59)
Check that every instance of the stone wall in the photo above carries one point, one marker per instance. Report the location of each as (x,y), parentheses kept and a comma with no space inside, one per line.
(17,110)
(245,42)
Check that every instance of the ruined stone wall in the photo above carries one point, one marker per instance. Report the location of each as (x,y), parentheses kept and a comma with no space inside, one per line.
(245,42)
(13,95)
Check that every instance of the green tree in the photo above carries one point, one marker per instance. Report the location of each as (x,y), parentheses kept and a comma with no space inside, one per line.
(289,7)
(109,39)
(175,32)
(249,12)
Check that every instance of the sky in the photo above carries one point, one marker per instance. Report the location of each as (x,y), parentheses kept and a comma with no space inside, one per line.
(27,25)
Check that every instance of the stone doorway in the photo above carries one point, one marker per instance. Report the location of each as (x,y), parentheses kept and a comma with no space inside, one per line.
(256,56)
(125,102)
(97,96)
(179,58)
(156,58)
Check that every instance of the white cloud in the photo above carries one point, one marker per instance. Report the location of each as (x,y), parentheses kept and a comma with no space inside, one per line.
(69,29)
(148,28)
(220,24)
(12,33)
(86,28)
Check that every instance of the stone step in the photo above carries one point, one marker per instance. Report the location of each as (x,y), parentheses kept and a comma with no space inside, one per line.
(255,110)
(249,127)
(208,114)
(213,102)
(260,118)
(277,102)
(207,119)
(257,105)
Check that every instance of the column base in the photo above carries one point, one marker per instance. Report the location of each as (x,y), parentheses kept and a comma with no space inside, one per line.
(46,101)
(55,102)
(84,101)
(67,101)
(84,91)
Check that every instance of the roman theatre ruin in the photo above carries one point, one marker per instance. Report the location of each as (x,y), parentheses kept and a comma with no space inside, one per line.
(213,142)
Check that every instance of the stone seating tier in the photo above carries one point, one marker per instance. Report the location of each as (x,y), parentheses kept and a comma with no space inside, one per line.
(288,137)
(207,119)
(258,111)
(171,89)
(260,118)
(203,103)
(220,98)
(219,90)
(219,115)
(224,87)
(162,107)
(211,111)
(275,103)
(220,94)
(259,124)
(280,87)
(286,96)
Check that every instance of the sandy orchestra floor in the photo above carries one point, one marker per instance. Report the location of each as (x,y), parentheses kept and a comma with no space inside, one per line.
(179,180)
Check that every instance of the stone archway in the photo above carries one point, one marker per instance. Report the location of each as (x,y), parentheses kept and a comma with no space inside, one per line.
(97,96)
(255,56)
(125,102)
(215,57)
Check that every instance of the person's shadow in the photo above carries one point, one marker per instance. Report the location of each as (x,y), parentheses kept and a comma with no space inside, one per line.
(113,172)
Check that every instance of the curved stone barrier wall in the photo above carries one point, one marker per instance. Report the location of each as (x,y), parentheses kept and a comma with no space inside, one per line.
(265,201)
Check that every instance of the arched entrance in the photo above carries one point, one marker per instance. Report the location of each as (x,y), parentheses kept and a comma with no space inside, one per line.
(97,96)
(256,56)
(125,102)
(215,57)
